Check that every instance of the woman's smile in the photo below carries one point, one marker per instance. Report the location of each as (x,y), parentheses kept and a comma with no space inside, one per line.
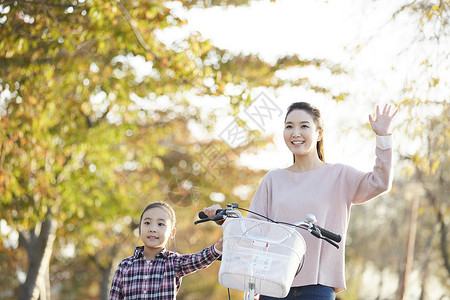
(297,143)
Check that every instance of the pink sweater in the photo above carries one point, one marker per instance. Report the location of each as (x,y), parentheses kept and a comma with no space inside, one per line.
(328,193)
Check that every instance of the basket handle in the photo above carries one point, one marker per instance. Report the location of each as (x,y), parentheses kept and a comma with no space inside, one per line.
(246,230)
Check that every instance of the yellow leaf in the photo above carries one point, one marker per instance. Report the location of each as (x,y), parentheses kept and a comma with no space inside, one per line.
(435,81)
(434,166)
(339,98)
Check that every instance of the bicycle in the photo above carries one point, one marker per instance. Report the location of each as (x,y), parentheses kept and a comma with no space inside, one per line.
(262,257)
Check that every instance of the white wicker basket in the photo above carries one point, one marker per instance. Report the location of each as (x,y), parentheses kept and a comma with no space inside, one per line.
(265,254)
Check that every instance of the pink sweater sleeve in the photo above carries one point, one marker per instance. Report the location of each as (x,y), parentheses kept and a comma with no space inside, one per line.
(369,185)
(260,205)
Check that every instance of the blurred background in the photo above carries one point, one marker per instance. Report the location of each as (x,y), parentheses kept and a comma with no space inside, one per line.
(106,106)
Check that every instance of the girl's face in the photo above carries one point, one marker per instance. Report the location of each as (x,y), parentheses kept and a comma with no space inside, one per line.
(156,228)
(301,134)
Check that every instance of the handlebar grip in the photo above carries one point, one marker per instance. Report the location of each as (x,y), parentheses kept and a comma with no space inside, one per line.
(328,234)
(202,215)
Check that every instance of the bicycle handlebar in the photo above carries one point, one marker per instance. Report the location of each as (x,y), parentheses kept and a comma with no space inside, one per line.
(315,230)
(202,215)
(204,218)
(220,215)
(328,234)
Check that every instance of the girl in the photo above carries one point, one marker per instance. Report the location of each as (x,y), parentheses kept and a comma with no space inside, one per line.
(310,185)
(154,272)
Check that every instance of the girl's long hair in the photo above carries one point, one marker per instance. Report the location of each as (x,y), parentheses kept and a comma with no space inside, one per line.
(315,114)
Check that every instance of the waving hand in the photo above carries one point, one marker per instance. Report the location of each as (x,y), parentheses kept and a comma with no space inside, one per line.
(382,122)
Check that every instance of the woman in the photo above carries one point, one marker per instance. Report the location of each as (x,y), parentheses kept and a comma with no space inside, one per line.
(312,186)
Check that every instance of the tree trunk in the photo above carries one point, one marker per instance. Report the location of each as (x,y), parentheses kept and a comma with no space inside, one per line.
(108,272)
(106,282)
(425,272)
(443,236)
(380,286)
(39,250)
(409,259)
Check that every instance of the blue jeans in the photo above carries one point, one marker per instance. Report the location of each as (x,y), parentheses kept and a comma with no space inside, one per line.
(308,292)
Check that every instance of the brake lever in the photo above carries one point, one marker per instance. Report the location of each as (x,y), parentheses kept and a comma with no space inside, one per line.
(202,221)
(218,217)
(215,218)
(331,242)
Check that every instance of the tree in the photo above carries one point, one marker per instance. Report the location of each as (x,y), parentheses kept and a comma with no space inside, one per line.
(83,142)
(422,145)
(428,92)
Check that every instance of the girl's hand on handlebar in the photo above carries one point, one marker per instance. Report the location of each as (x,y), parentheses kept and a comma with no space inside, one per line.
(219,245)
(211,210)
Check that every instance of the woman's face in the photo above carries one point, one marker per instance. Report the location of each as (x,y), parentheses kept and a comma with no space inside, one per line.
(301,134)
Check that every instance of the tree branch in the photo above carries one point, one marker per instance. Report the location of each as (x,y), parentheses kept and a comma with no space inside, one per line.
(7,2)
(136,31)
(443,230)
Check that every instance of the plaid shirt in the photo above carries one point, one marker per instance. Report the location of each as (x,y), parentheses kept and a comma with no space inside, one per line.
(158,279)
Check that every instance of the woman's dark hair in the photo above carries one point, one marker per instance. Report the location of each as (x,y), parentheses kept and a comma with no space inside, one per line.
(315,114)
(163,205)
